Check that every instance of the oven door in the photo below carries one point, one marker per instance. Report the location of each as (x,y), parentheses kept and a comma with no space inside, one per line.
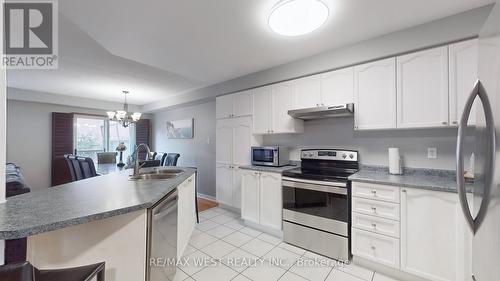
(320,205)
(266,156)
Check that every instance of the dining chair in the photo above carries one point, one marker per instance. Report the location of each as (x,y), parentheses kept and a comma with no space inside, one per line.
(160,156)
(87,166)
(106,157)
(171,159)
(77,169)
(70,167)
(25,271)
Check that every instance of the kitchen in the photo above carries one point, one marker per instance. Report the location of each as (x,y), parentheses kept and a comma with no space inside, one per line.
(352,155)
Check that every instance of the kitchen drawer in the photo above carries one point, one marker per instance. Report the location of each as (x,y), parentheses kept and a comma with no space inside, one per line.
(376,191)
(376,224)
(376,208)
(375,247)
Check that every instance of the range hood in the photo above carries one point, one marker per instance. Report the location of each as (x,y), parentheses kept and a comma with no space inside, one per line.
(320,112)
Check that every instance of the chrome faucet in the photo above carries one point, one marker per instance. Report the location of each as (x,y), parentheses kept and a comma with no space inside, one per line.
(137,167)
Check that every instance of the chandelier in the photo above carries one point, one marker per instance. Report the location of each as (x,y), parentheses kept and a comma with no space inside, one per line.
(123,116)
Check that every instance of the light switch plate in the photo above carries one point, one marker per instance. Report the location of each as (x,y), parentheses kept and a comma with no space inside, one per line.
(432,153)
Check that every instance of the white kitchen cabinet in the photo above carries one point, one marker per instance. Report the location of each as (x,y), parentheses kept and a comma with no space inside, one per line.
(307,92)
(435,240)
(337,87)
(375,247)
(250,196)
(271,110)
(463,71)
(270,200)
(422,89)
(234,105)
(186,213)
(224,184)
(224,143)
(262,199)
(243,140)
(375,95)
(237,176)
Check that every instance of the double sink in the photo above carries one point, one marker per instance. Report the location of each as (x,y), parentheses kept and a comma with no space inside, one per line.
(157,174)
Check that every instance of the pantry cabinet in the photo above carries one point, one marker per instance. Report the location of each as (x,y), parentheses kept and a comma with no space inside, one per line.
(234,105)
(261,201)
(271,110)
(463,70)
(422,89)
(375,95)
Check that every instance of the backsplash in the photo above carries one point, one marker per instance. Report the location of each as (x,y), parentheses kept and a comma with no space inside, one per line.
(373,145)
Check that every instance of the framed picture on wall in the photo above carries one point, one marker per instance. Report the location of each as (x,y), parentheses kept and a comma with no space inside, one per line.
(180,129)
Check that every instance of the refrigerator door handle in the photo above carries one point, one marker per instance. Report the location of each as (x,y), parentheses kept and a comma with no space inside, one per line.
(480,92)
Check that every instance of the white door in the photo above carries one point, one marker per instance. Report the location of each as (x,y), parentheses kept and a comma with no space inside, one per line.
(242,104)
(224,182)
(337,87)
(270,200)
(250,195)
(224,106)
(262,110)
(307,92)
(237,177)
(463,75)
(422,89)
(242,141)
(282,94)
(224,143)
(375,95)
(434,236)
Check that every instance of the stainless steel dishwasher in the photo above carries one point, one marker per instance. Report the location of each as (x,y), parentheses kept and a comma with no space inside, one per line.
(162,238)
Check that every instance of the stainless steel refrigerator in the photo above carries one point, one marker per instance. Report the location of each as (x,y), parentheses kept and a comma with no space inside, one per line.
(484,216)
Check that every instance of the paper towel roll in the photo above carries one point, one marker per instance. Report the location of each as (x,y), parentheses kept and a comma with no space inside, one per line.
(394,161)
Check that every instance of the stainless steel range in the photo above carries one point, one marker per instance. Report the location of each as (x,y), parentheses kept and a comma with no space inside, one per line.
(316,202)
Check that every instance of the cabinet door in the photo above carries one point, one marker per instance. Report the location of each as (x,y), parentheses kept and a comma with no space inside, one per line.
(262,110)
(224,181)
(270,200)
(242,141)
(307,92)
(224,106)
(422,89)
(187,213)
(224,143)
(337,87)
(282,94)
(463,75)
(375,95)
(250,196)
(237,177)
(242,104)
(433,235)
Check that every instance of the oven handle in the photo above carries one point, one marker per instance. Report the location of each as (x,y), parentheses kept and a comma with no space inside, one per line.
(315,187)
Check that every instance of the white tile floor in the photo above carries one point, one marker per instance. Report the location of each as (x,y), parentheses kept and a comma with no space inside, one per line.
(239,253)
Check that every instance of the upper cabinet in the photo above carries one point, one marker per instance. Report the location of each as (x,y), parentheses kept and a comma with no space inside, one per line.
(307,92)
(234,105)
(234,140)
(271,110)
(337,87)
(422,89)
(375,95)
(463,57)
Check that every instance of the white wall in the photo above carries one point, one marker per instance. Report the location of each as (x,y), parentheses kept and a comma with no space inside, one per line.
(373,145)
(199,151)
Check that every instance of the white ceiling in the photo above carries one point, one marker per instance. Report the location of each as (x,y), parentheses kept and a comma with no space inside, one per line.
(157,49)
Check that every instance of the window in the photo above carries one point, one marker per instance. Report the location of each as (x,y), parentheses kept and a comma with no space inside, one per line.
(95,134)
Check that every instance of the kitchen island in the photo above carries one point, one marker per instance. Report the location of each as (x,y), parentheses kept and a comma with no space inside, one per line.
(104,218)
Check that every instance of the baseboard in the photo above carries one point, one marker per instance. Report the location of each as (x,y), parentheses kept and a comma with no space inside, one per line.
(207,197)
(268,230)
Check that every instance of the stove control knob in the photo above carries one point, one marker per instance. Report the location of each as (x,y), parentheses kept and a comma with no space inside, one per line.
(344,156)
(351,156)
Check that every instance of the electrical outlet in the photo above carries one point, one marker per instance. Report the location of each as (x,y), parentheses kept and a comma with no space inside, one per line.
(432,153)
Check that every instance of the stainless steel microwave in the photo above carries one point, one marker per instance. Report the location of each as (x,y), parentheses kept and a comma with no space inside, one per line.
(275,156)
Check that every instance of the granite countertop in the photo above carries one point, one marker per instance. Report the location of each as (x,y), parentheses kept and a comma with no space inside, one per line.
(439,180)
(81,202)
(270,169)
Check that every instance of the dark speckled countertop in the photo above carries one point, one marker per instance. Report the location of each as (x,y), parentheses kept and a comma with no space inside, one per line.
(439,180)
(81,202)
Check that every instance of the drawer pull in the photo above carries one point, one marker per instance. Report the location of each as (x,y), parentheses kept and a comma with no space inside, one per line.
(374,225)
(373,248)
(374,209)
(374,192)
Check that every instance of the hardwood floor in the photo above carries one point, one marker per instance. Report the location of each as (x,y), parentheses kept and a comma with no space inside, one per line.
(204,204)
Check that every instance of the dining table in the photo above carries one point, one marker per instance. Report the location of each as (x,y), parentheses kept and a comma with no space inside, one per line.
(107,168)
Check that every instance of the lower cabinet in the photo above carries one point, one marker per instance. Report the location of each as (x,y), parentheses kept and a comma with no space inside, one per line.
(420,232)
(261,198)
(186,219)
(228,187)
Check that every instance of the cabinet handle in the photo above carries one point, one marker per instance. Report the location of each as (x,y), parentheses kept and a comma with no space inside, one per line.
(373,248)
(444,123)
(256,173)
(374,225)
(374,192)
(190,180)
(404,190)
(317,104)
(374,209)
(455,122)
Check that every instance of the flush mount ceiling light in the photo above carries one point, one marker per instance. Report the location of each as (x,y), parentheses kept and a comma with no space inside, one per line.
(297,17)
